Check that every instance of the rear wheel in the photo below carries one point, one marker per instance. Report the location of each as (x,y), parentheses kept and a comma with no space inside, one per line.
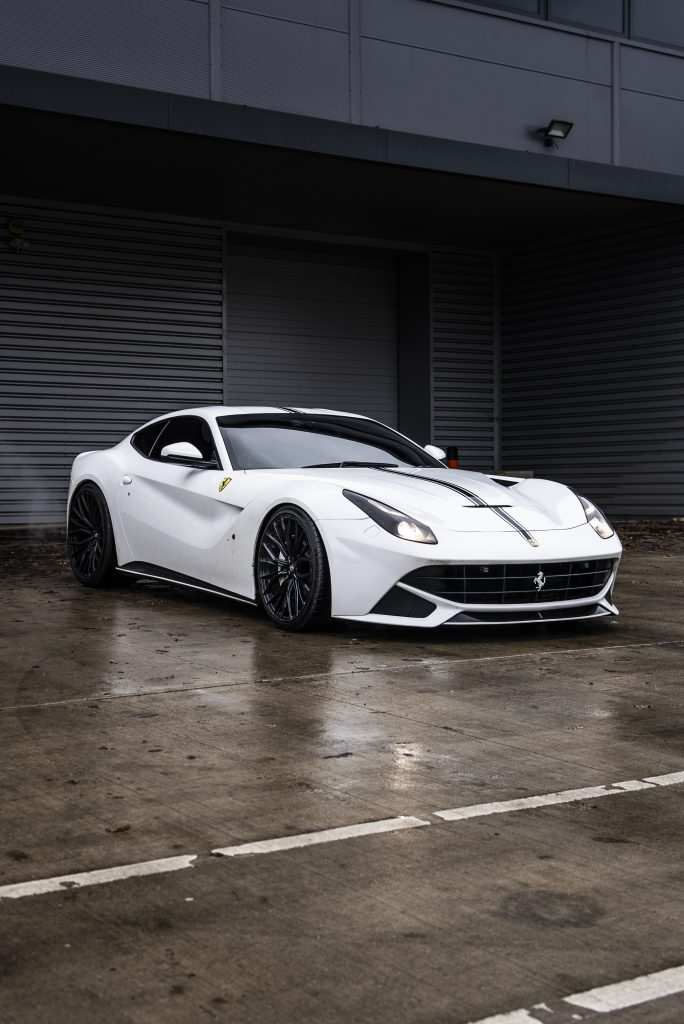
(90,537)
(293,582)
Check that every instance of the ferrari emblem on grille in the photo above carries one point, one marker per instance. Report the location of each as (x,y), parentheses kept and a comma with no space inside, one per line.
(224,483)
(539,581)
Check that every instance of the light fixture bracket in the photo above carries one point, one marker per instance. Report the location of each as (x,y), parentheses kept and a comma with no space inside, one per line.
(557,130)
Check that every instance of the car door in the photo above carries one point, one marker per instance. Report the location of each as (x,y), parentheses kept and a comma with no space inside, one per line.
(173,512)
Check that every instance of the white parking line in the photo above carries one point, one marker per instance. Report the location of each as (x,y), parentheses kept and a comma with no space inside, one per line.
(671,779)
(328,835)
(567,796)
(605,999)
(331,835)
(619,996)
(98,877)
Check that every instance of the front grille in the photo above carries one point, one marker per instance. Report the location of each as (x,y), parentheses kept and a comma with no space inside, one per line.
(514,583)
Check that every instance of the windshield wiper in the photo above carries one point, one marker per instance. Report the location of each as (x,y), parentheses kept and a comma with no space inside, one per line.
(347,465)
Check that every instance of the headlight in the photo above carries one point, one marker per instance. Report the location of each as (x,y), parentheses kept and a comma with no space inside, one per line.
(391,520)
(596,518)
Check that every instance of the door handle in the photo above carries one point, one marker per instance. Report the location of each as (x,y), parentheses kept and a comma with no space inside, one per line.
(127,480)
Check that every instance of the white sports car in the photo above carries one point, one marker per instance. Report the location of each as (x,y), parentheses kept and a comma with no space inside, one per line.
(311,513)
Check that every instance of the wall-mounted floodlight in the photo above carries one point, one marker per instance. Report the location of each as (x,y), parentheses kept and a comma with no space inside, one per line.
(556,131)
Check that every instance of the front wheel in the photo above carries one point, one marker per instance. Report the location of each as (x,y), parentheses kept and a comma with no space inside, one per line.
(292,578)
(90,537)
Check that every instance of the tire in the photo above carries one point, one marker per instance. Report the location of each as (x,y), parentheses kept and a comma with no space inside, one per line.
(291,570)
(90,538)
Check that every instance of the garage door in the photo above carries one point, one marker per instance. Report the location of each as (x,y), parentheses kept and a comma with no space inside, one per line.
(312,326)
(105,321)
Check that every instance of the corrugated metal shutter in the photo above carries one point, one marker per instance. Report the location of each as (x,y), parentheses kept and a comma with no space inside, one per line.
(312,326)
(593,379)
(463,319)
(105,321)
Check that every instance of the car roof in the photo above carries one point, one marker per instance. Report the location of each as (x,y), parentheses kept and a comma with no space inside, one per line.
(214,411)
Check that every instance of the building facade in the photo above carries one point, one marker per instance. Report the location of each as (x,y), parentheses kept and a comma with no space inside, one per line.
(350,204)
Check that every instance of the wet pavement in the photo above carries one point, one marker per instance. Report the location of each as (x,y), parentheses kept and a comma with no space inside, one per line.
(144,722)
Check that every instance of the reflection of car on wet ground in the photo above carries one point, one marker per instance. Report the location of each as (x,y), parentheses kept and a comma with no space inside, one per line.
(310,513)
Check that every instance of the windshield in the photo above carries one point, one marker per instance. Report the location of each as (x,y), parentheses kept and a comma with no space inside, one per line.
(293,441)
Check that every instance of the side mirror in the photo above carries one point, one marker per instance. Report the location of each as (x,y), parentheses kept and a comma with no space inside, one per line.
(186,454)
(435,452)
(181,450)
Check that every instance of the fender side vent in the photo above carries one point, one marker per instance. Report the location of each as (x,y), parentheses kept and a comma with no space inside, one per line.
(401,602)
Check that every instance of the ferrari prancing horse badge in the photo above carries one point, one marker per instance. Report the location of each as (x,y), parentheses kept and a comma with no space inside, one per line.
(224,483)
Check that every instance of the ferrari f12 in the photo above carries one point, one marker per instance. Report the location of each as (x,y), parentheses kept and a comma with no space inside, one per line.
(311,513)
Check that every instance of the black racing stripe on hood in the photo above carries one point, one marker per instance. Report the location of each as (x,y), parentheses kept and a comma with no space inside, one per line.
(463,491)
(478,501)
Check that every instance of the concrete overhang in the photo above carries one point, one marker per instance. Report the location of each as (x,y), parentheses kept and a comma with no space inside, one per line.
(75,139)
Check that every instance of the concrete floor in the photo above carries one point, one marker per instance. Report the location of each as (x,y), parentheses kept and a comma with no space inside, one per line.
(144,722)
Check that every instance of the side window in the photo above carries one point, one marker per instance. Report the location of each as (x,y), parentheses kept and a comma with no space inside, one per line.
(143,439)
(186,428)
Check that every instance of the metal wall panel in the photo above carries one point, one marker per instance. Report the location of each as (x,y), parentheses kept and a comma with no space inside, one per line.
(285,65)
(606,15)
(655,21)
(154,44)
(647,138)
(593,368)
(489,38)
(106,320)
(321,13)
(312,326)
(651,102)
(519,6)
(463,325)
(660,21)
(505,105)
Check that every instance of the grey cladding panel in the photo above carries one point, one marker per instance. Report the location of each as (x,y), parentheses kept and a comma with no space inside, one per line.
(520,6)
(661,21)
(312,327)
(505,104)
(154,44)
(463,355)
(594,395)
(650,139)
(605,15)
(651,72)
(486,38)
(322,13)
(105,321)
(285,66)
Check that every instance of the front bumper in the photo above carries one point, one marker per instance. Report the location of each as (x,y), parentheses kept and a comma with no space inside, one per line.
(366,563)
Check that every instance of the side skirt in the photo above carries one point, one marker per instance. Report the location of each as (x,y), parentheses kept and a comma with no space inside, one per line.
(157,572)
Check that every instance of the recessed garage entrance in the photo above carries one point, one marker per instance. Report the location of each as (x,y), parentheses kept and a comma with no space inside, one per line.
(108,319)
(312,326)
(434,301)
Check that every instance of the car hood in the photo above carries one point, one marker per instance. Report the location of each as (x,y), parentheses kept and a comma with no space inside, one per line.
(460,500)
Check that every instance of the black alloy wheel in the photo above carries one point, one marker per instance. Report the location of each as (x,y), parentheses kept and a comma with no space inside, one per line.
(292,576)
(90,538)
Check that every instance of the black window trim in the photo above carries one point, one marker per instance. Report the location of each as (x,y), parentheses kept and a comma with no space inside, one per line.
(164,424)
(162,427)
(298,421)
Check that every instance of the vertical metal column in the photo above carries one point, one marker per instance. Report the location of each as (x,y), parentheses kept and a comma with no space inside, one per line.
(215,51)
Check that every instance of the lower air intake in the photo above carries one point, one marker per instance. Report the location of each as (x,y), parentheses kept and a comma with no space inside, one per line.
(402,603)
